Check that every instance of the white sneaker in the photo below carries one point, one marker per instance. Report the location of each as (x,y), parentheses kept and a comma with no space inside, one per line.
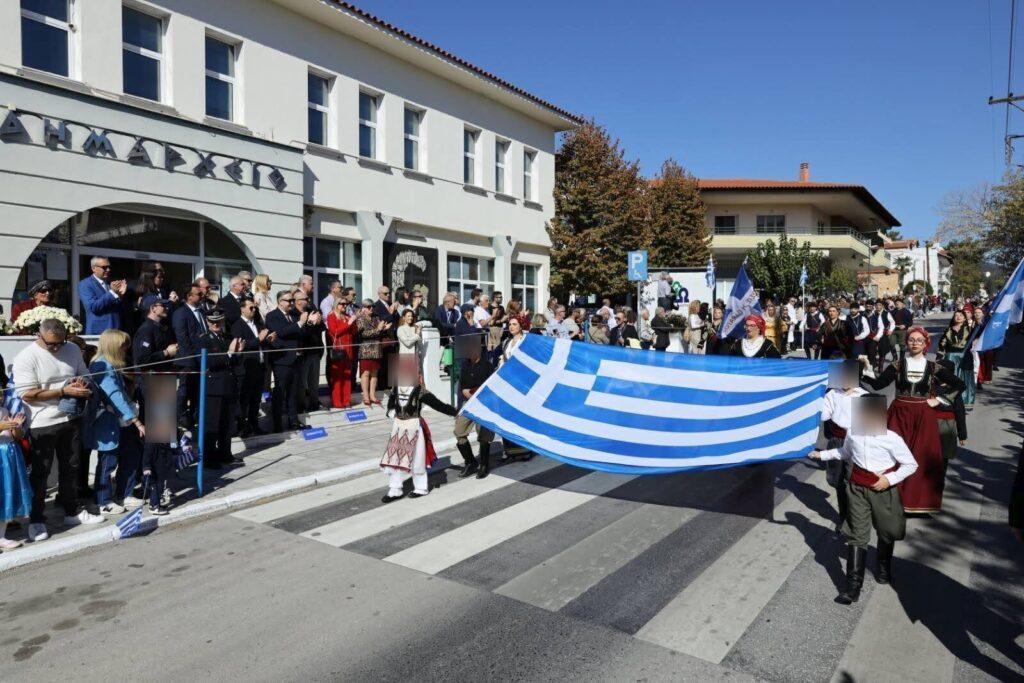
(37,532)
(111,509)
(83,517)
(8,544)
(131,502)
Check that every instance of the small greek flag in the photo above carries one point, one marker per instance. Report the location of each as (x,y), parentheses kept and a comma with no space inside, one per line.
(803,276)
(129,524)
(188,453)
(742,302)
(709,276)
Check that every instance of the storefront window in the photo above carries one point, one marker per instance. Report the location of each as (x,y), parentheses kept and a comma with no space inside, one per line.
(327,260)
(524,285)
(108,229)
(466,273)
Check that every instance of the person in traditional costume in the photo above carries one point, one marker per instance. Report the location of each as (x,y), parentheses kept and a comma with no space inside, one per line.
(952,420)
(983,361)
(835,335)
(754,344)
(837,420)
(953,347)
(912,416)
(879,461)
(410,449)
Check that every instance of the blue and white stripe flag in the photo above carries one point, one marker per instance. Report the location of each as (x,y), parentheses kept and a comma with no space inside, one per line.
(1006,310)
(709,276)
(130,523)
(622,410)
(803,275)
(742,302)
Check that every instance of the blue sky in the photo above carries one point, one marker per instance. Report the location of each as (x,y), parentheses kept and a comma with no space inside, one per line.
(891,94)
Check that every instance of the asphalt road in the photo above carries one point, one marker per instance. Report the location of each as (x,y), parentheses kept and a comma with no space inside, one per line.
(544,572)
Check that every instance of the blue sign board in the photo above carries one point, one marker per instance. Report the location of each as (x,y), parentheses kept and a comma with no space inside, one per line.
(355,415)
(314,433)
(636,266)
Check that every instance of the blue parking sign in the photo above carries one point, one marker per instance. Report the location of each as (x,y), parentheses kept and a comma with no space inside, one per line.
(636,265)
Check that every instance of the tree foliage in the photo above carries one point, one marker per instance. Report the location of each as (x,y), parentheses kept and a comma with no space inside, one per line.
(918,287)
(838,280)
(774,267)
(677,234)
(992,216)
(902,264)
(966,275)
(598,214)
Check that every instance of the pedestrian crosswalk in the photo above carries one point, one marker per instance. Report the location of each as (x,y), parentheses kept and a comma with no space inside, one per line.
(694,562)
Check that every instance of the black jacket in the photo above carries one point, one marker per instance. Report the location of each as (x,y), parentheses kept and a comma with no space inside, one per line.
(220,377)
(250,359)
(288,335)
(445,320)
(661,329)
(149,344)
(232,309)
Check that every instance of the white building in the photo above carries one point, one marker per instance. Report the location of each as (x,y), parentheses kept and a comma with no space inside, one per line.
(280,136)
(928,261)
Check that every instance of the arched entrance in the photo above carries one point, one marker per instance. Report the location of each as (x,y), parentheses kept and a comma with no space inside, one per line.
(186,244)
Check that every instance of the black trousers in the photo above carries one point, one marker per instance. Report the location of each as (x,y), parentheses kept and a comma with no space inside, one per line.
(188,399)
(250,395)
(310,392)
(159,459)
(63,442)
(217,440)
(285,397)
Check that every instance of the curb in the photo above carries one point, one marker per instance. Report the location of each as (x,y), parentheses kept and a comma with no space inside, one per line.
(58,547)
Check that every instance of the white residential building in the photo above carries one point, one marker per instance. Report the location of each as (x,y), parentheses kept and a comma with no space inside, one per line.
(278,136)
(928,262)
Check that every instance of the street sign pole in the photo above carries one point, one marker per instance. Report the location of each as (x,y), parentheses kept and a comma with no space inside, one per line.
(636,270)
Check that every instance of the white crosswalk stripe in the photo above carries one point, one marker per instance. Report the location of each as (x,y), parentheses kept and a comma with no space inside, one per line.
(277,509)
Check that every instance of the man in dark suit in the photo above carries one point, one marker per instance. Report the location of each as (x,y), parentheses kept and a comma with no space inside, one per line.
(383,309)
(188,323)
(286,329)
(101,299)
(250,371)
(446,315)
(231,302)
(221,391)
(661,329)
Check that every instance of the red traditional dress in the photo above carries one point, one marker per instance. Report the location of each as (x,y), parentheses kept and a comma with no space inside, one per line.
(912,418)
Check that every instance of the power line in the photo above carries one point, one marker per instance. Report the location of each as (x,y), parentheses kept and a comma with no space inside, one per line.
(1009,83)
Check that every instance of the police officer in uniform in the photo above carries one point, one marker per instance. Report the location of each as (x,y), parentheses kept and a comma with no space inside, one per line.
(153,345)
(221,390)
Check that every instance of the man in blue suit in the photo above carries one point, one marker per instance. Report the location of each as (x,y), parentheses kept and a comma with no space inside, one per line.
(189,324)
(101,298)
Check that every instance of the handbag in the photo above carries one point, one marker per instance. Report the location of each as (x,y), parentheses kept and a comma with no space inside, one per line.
(338,354)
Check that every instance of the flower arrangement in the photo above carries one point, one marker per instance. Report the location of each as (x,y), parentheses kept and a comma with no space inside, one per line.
(28,322)
(676,321)
(5,326)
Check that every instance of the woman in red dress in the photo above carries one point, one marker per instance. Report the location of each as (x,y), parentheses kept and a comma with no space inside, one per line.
(913,416)
(340,328)
(983,361)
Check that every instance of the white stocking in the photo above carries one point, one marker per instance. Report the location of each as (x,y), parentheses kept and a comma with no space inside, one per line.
(395,480)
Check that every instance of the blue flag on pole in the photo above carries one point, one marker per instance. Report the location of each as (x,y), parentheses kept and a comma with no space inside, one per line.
(621,410)
(709,276)
(803,276)
(742,302)
(1006,310)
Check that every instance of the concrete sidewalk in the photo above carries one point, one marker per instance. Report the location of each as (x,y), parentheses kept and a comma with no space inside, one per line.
(275,465)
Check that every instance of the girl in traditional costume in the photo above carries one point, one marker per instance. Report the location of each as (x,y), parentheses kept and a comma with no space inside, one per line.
(754,344)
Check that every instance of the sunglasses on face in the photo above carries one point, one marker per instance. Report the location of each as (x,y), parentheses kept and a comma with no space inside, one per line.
(102,267)
(287,301)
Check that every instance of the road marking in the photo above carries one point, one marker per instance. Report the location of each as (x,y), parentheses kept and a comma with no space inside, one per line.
(311,499)
(457,545)
(378,520)
(707,618)
(555,583)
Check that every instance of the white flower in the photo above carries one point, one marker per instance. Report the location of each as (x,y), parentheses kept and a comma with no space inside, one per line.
(30,320)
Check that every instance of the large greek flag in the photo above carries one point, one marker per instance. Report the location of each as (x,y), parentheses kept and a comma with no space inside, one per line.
(646,412)
(1007,309)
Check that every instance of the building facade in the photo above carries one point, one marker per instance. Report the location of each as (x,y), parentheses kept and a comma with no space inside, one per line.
(925,261)
(278,136)
(841,221)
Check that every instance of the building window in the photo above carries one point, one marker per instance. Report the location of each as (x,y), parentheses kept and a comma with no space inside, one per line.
(466,273)
(141,54)
(725,225)
(369,106)
(327,260)
(45,35)
(524,285)
(413,122)
(469,141)
(771,224)
(318,108)
(220,79)
(500,152)
(528,161)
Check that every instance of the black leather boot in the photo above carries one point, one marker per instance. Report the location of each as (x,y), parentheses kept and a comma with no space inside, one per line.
(467,454)
(883,572)
(855,558)
(485,460)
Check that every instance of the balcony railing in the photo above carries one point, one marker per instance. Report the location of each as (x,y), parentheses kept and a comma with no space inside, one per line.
(795,232)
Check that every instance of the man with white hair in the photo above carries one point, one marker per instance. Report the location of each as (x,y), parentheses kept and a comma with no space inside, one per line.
(246,281)
(333,294)
(231,303)
(665,298)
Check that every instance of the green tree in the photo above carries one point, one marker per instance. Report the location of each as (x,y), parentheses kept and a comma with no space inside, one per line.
(677,233)
(838,280)
(918,287)
(902,264)
(1005,238)
(598,214)
(892,234)
(774,267)
(966,274)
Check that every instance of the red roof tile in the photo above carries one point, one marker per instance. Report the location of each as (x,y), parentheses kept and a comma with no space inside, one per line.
(900,244)
(402,33)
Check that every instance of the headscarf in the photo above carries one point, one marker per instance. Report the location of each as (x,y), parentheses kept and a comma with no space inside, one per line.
(757,320)
(924,333)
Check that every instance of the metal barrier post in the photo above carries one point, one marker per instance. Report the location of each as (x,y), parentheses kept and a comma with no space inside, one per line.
(201,437)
